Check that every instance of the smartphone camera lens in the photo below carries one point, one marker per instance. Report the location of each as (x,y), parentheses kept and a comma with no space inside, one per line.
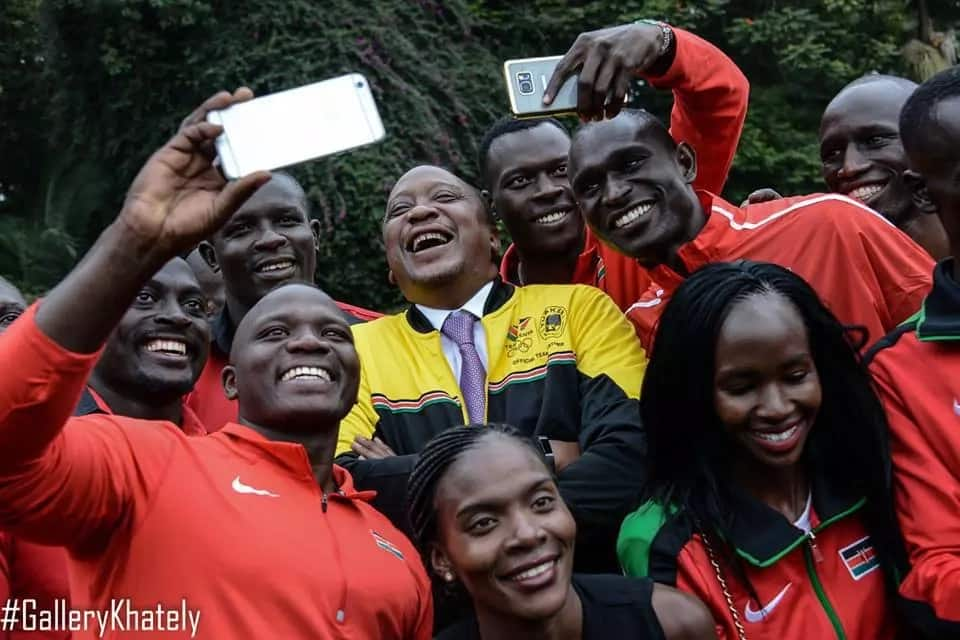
(359,85)
(525,83)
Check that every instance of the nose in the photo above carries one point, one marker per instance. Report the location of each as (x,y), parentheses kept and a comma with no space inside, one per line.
(527,532)
(269,240)
(547,188)
(854,163)
(614,192)
(774,405)
(421,212)
(171,314)
(306,341)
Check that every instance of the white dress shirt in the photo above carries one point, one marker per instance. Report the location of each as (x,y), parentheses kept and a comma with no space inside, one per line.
(451,351)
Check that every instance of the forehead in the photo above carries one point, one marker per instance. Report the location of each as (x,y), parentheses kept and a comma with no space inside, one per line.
(596,142)
(9,294)
(946,116)
(425,178)
(176,274)
(759,325)
(279,193)
(497,469)
(537,145)
(863,105)
(296,303)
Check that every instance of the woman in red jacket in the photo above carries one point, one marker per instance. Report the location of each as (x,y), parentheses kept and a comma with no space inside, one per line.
(768,496)
(488,516)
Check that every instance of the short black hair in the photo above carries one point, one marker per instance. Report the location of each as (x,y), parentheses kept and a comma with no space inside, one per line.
(873,76)
(916,118)
(502,127)
(645,118)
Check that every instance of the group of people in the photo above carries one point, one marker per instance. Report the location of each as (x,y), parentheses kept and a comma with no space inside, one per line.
(656,414)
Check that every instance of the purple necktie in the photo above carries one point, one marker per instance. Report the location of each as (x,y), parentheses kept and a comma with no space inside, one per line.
(459,327)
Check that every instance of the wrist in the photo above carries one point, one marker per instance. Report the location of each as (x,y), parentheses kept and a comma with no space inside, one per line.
(131,249)
(667,47)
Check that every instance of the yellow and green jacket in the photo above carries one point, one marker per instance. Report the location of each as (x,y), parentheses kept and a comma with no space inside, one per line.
(563,362)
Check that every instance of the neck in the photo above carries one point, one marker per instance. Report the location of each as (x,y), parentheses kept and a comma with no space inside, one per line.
(452,297)
(566,624)
(320,443)
(927,231)
(547,268)
(690,209)
(123,405)
(236,310)
(784,489)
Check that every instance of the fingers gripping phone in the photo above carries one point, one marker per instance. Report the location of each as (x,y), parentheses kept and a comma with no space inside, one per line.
(527,80)
(297,125)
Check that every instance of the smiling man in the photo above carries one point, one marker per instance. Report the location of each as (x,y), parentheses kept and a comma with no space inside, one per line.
(635,188)
(523,163)
(863,156)
(559,362)
(296,552)
(270,241)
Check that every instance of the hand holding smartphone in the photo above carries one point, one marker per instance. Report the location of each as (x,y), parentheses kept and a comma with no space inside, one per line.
(297,125)
(527,81)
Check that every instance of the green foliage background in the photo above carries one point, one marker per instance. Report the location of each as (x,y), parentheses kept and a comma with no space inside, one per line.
(90,87)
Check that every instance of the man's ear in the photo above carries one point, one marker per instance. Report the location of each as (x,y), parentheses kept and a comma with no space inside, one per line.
(228,378)
(487,199)
(209,256)
(392,279)
(495,245)
(441,564)
(919,192)
(315,229)
(687,159)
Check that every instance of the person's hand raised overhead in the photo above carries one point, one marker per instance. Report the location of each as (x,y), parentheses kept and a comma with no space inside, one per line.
(607,60)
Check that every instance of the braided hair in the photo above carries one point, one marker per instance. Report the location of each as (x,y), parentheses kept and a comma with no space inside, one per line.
(436,457)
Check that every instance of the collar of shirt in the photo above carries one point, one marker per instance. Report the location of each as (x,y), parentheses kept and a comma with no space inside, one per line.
(474,305)
(93,402)
(939,317)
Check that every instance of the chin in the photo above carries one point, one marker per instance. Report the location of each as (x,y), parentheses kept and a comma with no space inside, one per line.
(440,275)
(541,606)
(162,387)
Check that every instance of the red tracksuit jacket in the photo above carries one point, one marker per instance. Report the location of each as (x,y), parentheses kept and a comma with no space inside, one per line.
(917,372)
(232,522)
(710,96)
(825,585)
(868,272)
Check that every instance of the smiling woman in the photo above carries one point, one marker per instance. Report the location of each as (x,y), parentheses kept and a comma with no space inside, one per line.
(487,514)
(769,479)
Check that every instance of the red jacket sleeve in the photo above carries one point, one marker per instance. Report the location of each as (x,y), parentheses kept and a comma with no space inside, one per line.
(68,481)
(6,547)
(926,495)
(710,96)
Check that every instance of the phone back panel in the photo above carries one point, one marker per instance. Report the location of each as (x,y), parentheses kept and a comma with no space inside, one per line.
(296,125)
(527,80)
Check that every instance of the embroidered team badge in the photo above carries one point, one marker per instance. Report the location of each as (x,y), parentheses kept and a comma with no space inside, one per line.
(860,558)
(552,323)
(386,545)
(520,325)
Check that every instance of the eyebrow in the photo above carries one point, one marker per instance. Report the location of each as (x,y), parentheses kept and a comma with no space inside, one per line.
(532,167)
(487,505)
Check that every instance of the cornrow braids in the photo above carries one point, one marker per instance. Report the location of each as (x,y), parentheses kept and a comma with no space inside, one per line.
(434,460)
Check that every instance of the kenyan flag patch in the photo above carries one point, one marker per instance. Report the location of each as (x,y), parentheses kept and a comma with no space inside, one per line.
(860,558)
(386,545)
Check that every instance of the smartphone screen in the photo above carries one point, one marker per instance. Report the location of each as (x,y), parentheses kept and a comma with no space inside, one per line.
(297,125)
(527,81)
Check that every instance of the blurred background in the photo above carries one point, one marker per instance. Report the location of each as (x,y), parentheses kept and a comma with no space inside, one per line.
(89,88)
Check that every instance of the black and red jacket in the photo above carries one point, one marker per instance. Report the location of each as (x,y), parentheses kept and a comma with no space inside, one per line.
(917,372)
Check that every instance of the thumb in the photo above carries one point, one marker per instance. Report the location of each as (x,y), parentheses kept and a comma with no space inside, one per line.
(235,194)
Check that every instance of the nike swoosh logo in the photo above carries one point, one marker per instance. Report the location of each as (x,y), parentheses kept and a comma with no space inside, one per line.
(758,616)
(239,487)
(956,407)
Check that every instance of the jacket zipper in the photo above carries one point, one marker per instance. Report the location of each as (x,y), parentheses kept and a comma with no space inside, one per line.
(812,555)
(340,615)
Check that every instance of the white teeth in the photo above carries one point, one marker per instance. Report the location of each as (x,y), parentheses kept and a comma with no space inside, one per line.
(777,437)
(534,572)
(550,218)
(276,266)
(633,214)
(168,346)
(308,373)
(866,192)
(430,235)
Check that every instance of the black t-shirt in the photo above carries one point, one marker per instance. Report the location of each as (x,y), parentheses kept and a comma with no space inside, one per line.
(613,607)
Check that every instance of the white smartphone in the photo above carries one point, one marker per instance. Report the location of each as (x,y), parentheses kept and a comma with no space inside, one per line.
(297,125)
(527,80)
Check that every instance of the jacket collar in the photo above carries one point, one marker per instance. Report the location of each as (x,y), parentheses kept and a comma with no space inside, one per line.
(291,455)
(939,317)
(92,402)
(500,293)
(762,535)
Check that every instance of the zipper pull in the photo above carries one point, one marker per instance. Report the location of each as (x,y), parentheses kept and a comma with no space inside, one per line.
(812,539)
(323,501)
